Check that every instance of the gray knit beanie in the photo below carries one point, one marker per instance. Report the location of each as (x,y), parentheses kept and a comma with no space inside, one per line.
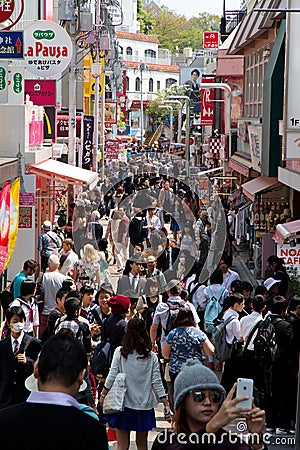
(194,375)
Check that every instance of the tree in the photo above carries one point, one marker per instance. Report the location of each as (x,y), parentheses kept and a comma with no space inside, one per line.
(145,19)
(159,114)
(175,32)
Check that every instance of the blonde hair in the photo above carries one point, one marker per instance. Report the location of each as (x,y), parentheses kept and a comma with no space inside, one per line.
(89,254)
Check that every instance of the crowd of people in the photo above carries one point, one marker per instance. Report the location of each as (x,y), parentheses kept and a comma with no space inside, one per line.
(152,279)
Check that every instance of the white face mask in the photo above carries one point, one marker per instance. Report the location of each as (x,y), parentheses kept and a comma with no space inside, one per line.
(182,261)
(18,326)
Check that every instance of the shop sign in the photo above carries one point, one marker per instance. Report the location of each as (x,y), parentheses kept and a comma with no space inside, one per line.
(210,39)
(87,142)
(48,48)
(41,92)
(255,140)
(112,149)
(290,255)
(25,217)
(10,13)
(27,199)
(11,44)
(207,102)
(110,117)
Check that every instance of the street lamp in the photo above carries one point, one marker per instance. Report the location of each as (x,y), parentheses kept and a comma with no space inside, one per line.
(179,116)
(187,127)
(170,108)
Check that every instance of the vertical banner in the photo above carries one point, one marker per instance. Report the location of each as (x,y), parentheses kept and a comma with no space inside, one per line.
(87,142)
(14,219)
(4,224)
(207,104)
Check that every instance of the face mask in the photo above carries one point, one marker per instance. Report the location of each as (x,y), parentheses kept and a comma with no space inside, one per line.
(17,327)
(182,260)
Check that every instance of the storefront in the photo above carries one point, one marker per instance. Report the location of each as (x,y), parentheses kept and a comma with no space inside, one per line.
(269,200)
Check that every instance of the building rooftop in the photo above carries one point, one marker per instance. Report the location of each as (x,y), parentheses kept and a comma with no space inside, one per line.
(136,37)
(157,67)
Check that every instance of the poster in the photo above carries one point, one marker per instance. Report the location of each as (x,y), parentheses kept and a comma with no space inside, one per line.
(25,217)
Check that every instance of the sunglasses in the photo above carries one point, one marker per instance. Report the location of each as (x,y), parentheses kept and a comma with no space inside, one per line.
(214,396)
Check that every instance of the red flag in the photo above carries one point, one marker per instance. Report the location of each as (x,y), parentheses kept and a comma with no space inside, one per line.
(4,223)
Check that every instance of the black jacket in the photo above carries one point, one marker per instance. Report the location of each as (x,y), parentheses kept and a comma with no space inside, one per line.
(284,336)
(14,374)
(49,426)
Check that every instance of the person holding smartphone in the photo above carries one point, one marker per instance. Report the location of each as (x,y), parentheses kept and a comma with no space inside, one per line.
(202,410)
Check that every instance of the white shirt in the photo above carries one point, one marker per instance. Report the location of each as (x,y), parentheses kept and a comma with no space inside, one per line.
(233,329)
(229,277)
(247,324)
(19,339)
(69,263)
(152,222)
(133,280)
(28,326)
(53,398)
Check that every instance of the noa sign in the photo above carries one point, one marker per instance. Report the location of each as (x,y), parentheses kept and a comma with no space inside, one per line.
(290,255)
(47,48)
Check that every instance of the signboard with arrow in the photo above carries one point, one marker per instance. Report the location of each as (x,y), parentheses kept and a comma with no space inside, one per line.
(11,45)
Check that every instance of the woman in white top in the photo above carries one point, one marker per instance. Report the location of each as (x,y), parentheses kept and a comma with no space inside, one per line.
(233,337)
(143,383)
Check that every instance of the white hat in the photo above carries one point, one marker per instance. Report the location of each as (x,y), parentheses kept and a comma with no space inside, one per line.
(270,282)
(47,225)
(31,384)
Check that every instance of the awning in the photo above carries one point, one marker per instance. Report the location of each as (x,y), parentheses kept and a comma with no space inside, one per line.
(9,169)
(286,230)
(65,172)
(240,165)
(257,185)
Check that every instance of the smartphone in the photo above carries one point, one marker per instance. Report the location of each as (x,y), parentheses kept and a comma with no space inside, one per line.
(244,388)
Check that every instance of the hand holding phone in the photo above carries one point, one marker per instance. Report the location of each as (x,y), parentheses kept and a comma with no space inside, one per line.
(244,388)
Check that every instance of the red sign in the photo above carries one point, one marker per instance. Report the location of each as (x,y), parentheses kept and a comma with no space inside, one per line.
(10,13)
(27,199)
(63,125)
(25,217)
(112,149)
(41,92)
(210,39)
(207,104)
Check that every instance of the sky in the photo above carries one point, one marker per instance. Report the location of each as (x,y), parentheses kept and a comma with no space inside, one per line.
(191,8)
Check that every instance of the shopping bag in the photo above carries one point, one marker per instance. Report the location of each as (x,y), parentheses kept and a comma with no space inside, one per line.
(114,400)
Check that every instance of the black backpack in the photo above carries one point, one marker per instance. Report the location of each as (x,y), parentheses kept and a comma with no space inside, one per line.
(103,354)
(174,308)
(265,342)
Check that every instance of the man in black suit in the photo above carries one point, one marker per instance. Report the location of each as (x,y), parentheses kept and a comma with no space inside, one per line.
(167,261)
(51,417)
(133,280)
(18,352)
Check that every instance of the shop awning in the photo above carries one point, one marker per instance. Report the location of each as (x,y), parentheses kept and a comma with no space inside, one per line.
(9,169)
(286,230)
(66,172)
(257,185)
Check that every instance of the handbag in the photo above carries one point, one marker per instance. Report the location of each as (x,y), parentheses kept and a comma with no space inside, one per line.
(114,400)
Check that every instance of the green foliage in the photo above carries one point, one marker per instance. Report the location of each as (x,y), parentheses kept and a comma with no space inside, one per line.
(159,114)
(145,19)
(176,32)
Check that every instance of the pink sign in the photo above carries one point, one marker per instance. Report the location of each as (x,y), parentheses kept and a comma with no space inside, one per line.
(41,92)
(207,104)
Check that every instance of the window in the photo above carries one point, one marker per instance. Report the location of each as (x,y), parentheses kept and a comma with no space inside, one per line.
(169,82)
(128,51)
(255,66)
(121,50)
(150,53)
(137,84)
(150,84)
(158,85)
(127,83)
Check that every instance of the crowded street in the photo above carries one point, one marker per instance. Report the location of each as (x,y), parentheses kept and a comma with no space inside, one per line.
(149,225)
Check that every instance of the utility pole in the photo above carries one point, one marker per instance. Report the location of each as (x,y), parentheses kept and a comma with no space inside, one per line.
(97,83)
(142,67)
(72,88)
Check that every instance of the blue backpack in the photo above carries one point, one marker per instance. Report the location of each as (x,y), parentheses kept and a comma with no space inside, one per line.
(212,310)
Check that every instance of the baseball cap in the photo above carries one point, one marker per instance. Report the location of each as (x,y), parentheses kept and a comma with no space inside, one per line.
(270,282)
